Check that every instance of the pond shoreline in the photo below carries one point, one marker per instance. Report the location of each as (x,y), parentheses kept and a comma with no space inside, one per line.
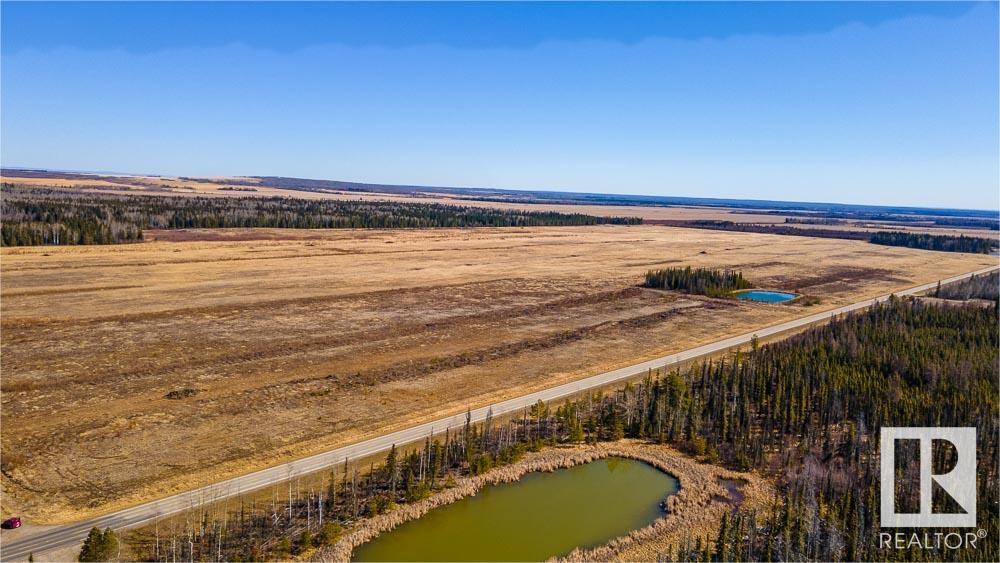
(695,508)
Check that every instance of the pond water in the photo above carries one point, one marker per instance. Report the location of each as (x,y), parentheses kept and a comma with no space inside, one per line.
(766,296)
(537,517)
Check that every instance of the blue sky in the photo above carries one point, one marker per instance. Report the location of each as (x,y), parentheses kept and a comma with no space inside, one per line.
(886,103)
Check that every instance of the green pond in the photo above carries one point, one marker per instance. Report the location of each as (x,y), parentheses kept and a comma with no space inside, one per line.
(537,517)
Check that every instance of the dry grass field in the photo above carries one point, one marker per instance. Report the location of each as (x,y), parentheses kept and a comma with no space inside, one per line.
(133,371)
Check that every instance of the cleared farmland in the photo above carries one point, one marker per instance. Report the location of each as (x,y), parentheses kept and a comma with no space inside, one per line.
(136,370)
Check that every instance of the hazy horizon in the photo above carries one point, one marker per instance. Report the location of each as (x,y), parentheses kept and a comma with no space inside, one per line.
(489,188)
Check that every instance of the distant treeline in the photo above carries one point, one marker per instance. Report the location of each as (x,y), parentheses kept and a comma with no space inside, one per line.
(804,209)
(974,220)
(991,224)
(713,283)
(805,411)
(811,221)
(945,243)
(33,216)
(983,286)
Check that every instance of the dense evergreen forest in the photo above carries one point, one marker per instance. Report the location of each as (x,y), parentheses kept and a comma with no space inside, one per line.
(714,283)
(806,411)
(33,216)
(810,409)
(944,243)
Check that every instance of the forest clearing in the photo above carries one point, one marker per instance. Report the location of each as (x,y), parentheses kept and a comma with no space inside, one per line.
(222,356)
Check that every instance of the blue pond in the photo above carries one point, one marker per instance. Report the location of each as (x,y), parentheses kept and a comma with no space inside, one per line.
(766,296)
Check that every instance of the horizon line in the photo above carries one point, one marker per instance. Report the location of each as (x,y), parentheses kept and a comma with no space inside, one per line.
(733,200)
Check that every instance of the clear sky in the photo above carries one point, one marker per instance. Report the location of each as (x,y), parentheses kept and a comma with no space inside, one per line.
(886,103)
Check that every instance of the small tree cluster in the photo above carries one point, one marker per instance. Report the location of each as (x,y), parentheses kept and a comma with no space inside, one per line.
(702,281)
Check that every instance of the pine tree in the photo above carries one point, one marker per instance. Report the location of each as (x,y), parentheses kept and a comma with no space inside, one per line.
(721,548)
(99,546)
(391,468)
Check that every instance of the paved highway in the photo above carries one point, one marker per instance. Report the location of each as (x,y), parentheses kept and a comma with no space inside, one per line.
(70,534)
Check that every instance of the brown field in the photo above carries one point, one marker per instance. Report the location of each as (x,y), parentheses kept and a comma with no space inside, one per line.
(298,341)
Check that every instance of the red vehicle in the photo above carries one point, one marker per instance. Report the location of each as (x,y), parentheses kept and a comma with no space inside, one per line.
(11,523)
